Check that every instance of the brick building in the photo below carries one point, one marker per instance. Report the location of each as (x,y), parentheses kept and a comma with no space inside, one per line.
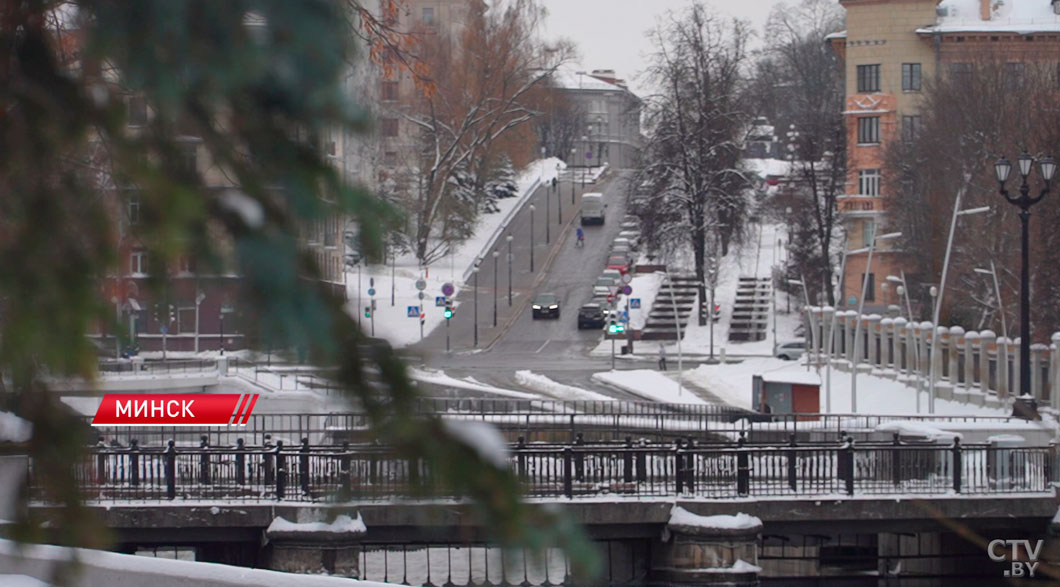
(890,47)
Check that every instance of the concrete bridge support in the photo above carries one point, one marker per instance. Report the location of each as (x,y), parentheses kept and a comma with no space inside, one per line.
(316,547)
(723,553)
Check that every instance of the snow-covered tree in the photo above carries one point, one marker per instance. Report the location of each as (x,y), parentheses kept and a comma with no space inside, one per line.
(500,185)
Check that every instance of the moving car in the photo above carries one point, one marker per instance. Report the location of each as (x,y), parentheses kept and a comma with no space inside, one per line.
(546,305)
(592,316)
(791,350)
(593,208)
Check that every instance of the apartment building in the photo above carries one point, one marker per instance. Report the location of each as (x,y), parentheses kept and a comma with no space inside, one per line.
(610,131)
(890,48)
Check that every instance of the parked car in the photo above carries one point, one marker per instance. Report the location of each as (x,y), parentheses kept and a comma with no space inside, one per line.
(612,274)
(621,249)
(791,350)
(603,286)
(620,262)
(546,305)
(592,315)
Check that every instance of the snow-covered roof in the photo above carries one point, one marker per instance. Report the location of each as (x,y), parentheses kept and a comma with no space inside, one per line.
(768,167)
(580,80)
(836,35)
(1007,16)
(792,376)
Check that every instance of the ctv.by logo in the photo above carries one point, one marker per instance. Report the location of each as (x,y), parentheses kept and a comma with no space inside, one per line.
(1019,568)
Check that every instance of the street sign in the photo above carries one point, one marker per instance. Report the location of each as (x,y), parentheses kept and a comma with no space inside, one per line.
(414,311)
(371,291)
(634,303)
(625,316)
(611,298)
(626,278)
(627,289)
(421,295)
(164,330)
(421,284)
(439,301)
(447,289)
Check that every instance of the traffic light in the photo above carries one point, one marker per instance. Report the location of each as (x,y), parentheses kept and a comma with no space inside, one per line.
(367,311)
(448,312)
(615,327)
(172,314)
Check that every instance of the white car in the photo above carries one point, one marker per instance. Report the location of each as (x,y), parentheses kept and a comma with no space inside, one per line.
(791,350)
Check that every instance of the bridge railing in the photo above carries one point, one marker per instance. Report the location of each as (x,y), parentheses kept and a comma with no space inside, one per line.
(735,470)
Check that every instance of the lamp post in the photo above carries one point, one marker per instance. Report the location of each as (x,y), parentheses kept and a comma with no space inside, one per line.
(810,323)
(903,291)
(478,262)
(510,258)
(997,294)
(857,324)
(573,162)
(937,302)
(222,331)
(585,143)
(1002,168)
(532,237)
(495,255)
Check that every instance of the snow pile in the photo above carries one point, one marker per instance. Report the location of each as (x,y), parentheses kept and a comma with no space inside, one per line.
(545,385)
(440,378)
(740,566)
(483,438)
(342,525)
(919,430)
(682,518)
(649,384)
(21,581)
(14,429)
(646,287)
(98,567)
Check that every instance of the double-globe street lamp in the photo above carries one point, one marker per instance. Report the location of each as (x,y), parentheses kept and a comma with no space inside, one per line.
(1002,168)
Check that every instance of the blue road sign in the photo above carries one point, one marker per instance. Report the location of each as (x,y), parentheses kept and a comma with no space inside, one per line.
(414,312)
(634,303)
(625,316)
(164,330)
(439,301)
(371,291)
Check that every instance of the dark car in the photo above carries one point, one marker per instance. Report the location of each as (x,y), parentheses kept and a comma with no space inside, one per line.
(591,316)
(546,305)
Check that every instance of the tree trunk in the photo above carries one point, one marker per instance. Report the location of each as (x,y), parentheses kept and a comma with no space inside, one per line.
(699,245)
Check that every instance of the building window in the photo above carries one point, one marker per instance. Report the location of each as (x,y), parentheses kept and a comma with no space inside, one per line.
(869,130)
(870,291)
(390,127)
(138,262)
(910,128)
(390,91)
(134,210)
(1013,76)
(911,77)
(868,232)
(869,182)
(868,78)
(961,72)
(137,111)
(428,15)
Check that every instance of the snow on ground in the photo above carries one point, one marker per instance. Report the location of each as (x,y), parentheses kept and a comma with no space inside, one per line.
(679,516)
(14,429)
(342,525)
(646,287)
(649,384)
(440,378)
(392,322)
(543,384)
(876,395)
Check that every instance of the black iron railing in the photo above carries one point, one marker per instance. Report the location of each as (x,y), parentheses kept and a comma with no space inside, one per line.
(715,470)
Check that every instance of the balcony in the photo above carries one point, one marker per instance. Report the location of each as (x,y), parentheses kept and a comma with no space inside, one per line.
(856,205)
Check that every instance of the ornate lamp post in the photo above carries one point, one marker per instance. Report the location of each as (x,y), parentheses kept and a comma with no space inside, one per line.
(1002,168)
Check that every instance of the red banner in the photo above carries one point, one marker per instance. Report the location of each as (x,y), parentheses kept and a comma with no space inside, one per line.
(175,409)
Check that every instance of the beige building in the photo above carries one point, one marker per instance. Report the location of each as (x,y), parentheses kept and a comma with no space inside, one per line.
(610,128)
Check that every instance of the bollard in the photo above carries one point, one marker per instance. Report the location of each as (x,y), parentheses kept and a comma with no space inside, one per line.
(281,470)
(303,466)
(845,465)
(170,459)
(241,462)
(134,462)
(957,466)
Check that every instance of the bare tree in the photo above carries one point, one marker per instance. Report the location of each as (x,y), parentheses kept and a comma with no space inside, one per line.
(807,76)
(482,88)
(698,121)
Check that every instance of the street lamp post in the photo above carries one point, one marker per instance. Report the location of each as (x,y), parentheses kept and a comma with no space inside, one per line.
(903,291)
(1002,168)
(478,262)
(532,237)
(997,294)
(495,255)
(937,302)
(585,142)
(222,331)
(509,240)
(810,323)
(548,213)
(857,324)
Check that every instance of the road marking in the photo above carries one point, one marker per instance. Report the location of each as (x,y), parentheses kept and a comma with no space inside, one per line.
(542,347)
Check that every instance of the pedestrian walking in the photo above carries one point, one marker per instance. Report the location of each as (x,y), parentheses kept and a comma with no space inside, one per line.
(662,357)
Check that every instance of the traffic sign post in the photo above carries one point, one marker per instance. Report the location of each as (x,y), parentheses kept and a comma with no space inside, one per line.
(439,301)
(413,311)
(634,303)
(371,294)
(448,315)
(423,318)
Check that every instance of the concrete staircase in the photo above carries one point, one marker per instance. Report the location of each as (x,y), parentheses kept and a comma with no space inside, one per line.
(661,324)
(750,311)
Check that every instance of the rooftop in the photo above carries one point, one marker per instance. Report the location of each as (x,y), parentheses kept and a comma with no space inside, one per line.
(1006,16)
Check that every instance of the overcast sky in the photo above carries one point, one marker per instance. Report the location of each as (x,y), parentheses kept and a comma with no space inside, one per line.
(610,33)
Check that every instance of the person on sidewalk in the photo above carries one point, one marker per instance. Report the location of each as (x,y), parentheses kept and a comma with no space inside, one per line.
(662,357)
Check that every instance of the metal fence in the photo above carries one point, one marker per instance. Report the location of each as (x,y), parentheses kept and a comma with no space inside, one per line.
(157,367)
(715,470)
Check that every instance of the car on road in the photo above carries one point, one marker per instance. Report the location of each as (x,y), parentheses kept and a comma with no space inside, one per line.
(603,286)
(791,350)
(592,315)
(546,305)
(592,209)
(620,262)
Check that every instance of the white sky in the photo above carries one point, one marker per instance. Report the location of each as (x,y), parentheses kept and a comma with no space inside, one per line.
(610,34)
